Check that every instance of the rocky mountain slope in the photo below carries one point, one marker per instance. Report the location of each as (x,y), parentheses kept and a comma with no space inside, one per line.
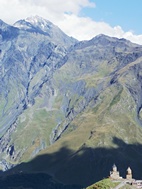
(75,106)
(29,57)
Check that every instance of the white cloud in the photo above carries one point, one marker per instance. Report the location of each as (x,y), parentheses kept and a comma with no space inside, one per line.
(53,10)
(60,6)
(85,28)
(65,14)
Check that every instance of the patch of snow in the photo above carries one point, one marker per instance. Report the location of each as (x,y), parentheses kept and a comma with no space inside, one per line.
(38,21)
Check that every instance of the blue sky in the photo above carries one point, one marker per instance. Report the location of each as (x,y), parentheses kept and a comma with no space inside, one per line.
(81,19)
(126,13)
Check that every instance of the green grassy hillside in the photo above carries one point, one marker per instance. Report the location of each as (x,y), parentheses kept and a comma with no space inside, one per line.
(108,184)
(103,184)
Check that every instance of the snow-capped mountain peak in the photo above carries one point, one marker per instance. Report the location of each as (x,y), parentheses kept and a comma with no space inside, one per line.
(34,21)
(39,25)
(38,22)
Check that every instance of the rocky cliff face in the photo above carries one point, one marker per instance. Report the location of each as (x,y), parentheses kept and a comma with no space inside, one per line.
(59,93)
(29,54)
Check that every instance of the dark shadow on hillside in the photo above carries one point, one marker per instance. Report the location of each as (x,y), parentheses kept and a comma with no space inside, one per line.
(87,165)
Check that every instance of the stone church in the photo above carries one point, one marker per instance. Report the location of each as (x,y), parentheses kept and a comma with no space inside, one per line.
(114,174)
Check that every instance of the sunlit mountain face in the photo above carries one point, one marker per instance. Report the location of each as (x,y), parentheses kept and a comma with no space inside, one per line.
(68,108)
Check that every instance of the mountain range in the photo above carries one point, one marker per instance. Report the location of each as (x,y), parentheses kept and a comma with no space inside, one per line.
(68,108)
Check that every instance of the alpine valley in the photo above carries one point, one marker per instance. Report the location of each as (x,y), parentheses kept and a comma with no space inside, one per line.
(68,108)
